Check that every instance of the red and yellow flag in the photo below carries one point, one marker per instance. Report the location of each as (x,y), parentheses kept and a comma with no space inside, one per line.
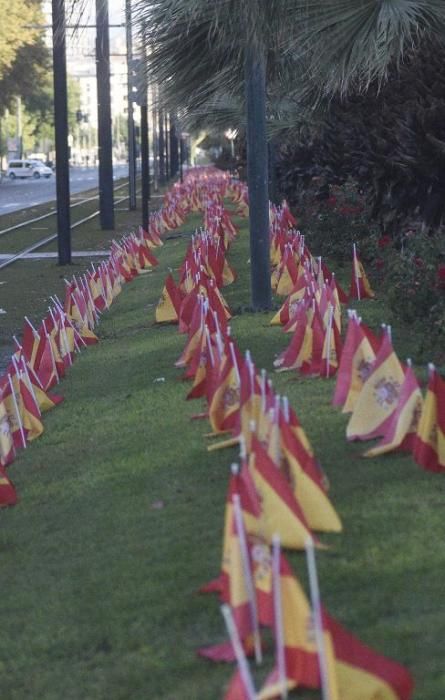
(429,441)
(281,513)
(360,287)
(379,396)
(401,428)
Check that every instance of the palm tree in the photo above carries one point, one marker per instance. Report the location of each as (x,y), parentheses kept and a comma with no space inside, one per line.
(306,49)
(198,46)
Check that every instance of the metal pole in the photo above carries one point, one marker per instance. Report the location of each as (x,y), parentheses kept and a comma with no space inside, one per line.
(105,140)
(145,146)
(161,147)
(145,167)
(257,177)
(155,142)
(131,138)
(181,159)
(273,180)
(174,162)
(61,133)
(167,147)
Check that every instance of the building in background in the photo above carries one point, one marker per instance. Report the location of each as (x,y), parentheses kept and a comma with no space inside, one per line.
(81,70)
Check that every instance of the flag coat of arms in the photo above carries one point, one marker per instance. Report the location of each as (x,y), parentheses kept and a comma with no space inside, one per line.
(401,428)
(379,396)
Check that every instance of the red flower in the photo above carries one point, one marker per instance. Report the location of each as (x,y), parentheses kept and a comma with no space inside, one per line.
(379,263)
(441,276)
(331,201)
(384,241)
(418,262)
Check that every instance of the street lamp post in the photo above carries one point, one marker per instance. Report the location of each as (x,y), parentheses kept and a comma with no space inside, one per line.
(231,135)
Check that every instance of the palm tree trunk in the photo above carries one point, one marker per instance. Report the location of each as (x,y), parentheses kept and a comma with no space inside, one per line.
(257,177)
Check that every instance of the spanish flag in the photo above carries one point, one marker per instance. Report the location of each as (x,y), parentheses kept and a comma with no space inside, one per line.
(429,441)
(299,350)
(8,495)
(379,396)
(237,596)
(288,309)
(241,484)
(167,310)
(356,361)
(7,449)
(402,426)
(307,484)
(355,671)
(224,408)
(280,512)
(289,274)
(360,287)
(362,673)
(32,424)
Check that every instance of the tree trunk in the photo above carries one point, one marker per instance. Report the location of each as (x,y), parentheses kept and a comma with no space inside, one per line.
(257,177)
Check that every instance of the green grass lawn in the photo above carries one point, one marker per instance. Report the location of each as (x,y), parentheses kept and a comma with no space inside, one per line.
(121,513)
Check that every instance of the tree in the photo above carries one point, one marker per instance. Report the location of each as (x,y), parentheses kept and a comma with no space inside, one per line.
(17,29)
(194,48)
(200,50)
(390,140)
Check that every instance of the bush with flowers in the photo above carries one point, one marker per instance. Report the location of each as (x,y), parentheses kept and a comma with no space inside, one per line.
(333,219)
(413,279)
(409,268)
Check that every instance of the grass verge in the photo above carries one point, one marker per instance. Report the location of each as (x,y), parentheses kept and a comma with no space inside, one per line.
(121,510)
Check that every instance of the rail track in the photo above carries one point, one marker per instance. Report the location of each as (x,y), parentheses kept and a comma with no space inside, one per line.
(48,239)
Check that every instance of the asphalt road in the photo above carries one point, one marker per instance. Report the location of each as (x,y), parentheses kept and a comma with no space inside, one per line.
(21,194)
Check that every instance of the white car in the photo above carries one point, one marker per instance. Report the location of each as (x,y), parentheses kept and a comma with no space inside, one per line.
(28,168)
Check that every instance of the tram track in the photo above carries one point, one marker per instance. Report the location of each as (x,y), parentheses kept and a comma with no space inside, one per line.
(36,245)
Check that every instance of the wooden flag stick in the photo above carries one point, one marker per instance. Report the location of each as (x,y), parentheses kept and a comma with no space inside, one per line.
(239,652)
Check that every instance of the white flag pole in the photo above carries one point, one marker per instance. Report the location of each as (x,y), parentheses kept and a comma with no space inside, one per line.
(357,283)
(36,335)
(248,579)
(52,356)
(209,345)
(239,652)
(235,363)
(28,383)
(17,412)
(65,317)
(318,619)
(278,615)
(263,390)
(329,331)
